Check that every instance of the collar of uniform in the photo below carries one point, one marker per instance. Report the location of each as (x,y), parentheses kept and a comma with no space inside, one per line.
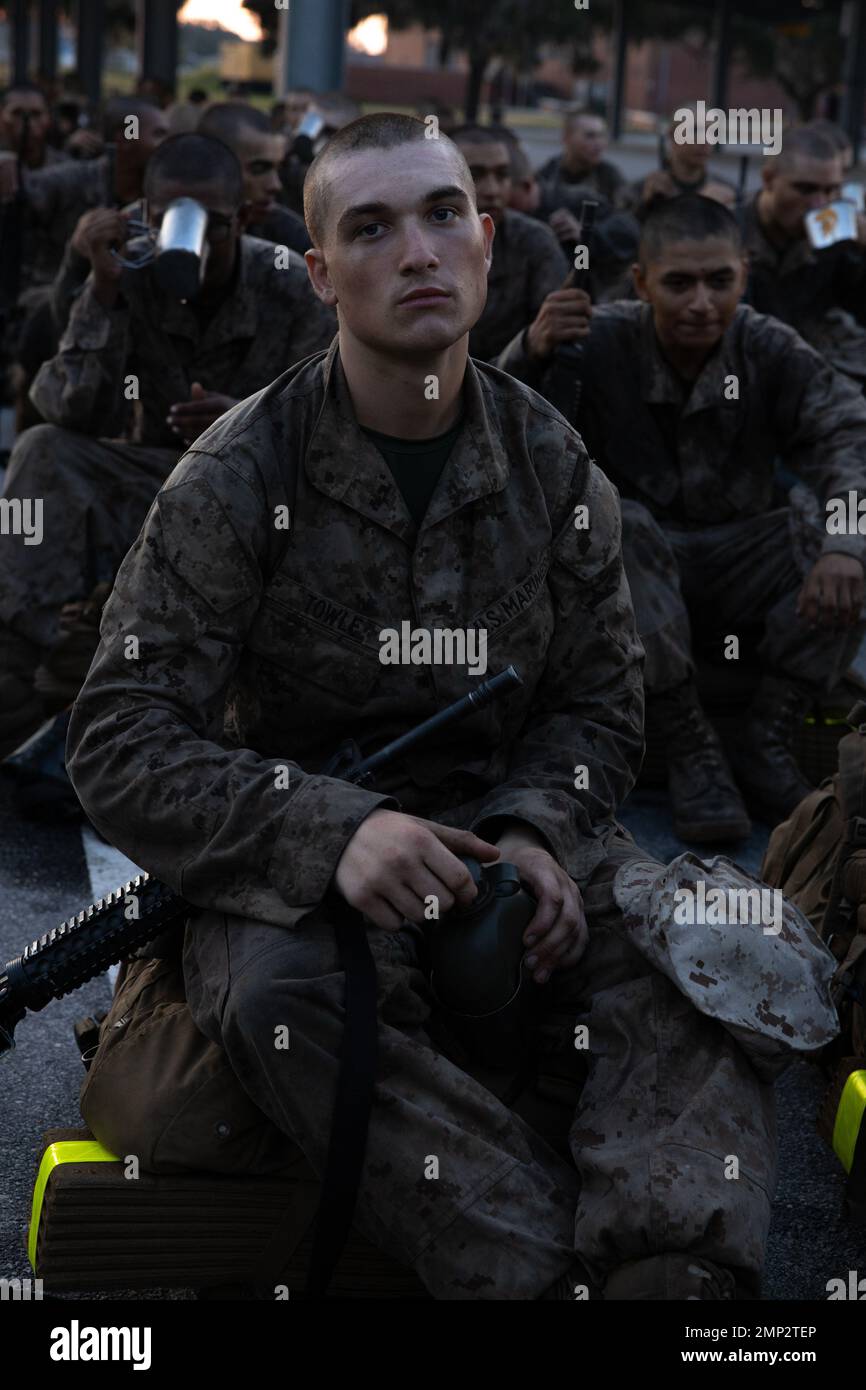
(344,464)
(660,384)
(236,317)
(763,252)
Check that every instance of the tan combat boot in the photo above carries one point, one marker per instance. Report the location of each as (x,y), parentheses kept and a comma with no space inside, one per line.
(706,804)
(670,1277)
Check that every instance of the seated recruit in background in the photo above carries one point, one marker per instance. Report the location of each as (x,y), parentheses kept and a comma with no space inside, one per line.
(688,398)
(138,373)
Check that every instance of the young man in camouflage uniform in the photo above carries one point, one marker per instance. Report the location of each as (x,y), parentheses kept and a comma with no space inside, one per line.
(54,263)
(820,293)
(259,651)
(56,198)
(260,152)
(26,100)
(138,374)
(524,286)
(581,166)
(688,398)
(684,169)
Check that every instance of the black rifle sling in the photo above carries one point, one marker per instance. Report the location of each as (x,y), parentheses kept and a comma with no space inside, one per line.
(357,1072)
(352,1103)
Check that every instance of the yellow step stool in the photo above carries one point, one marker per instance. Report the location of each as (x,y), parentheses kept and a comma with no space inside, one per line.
(93,1228)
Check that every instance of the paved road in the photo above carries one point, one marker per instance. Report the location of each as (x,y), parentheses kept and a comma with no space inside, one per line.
(47,873)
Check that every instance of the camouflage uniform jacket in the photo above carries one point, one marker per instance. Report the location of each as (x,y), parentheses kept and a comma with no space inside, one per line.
(270,318)
(559,189)
(259,646)
(56,198)
(820,293)
(789,403)
(528,265)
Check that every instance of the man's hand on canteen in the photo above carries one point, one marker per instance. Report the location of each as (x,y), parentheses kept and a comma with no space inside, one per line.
(96,234)
(393,862)
(191,418)
(557,936)
(563,316)
(565,225)
(832,592)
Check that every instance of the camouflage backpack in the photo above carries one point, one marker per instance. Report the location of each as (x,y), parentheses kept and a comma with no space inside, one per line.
(818,859)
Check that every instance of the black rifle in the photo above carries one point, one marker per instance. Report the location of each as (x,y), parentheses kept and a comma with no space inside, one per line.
(116,926)
(108,931)
(563,383)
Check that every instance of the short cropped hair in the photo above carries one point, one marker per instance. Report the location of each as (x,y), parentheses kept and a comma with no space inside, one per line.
(225,120)
(804,142)
(25,85)
(482,135)
(195,159)
(116,111)
(521,167)
(578,113)
(690,217)
(382,131)
(831,131)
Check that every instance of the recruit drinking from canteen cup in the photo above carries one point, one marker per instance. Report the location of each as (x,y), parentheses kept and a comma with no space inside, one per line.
(179,250)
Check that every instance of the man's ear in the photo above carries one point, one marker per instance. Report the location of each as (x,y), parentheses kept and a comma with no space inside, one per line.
(245,212)
(317,269)
(639,279)
(489,229)
(768,174)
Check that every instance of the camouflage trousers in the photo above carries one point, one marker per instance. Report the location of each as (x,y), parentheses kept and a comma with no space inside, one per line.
(717,580)
(95,494)
(669,1095)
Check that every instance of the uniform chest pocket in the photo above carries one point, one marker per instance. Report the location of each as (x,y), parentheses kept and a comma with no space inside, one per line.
(306,657)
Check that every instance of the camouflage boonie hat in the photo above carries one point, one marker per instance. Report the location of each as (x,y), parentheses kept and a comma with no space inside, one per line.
(757,965)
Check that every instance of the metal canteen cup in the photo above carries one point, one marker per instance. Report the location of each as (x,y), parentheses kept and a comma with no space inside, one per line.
(835,222)
(478,979)
(182,248)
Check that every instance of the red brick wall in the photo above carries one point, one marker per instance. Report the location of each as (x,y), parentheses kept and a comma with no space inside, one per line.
(405,86)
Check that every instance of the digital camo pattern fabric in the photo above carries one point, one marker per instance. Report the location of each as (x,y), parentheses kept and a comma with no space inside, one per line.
(741,953)
(270,319)
(259,647)
(528,265)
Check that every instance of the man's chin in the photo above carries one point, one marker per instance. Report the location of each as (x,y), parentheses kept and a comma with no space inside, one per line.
(698,335)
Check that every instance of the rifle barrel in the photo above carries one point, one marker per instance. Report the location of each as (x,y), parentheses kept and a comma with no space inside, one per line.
(485,694)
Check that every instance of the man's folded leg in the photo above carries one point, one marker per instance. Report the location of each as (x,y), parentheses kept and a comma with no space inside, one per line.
(674,1138)
(454,1184)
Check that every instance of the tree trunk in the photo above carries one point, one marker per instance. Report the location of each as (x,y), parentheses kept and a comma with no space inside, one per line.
(477,64)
